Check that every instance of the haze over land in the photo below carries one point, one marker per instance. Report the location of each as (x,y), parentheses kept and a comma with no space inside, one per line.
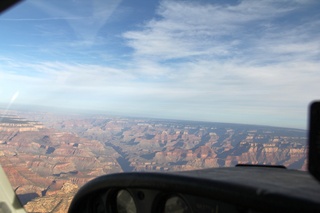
(48,156)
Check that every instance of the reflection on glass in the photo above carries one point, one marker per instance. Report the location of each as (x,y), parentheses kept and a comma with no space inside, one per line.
(125,203)
(176,205)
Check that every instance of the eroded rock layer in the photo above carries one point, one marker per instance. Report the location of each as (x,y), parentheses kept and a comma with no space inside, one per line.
(61,152)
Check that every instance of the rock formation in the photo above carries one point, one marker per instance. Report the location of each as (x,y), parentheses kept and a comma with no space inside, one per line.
(46,164)
(58,202)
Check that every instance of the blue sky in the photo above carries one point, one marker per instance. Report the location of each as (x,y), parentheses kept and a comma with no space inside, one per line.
(255,62)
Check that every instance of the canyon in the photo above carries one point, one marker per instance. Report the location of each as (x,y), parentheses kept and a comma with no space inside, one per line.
(48,157)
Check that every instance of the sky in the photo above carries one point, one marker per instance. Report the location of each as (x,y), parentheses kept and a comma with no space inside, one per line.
(251,62)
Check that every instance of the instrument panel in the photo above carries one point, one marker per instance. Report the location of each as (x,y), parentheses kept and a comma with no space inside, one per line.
(239,189)
(131,200)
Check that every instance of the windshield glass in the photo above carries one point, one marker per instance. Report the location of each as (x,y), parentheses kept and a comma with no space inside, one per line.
(96,87)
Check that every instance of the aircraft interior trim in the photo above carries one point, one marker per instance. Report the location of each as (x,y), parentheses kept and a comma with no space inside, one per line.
(239,189)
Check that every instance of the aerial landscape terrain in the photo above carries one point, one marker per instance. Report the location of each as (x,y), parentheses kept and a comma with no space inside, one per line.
(48,157)
(91,88)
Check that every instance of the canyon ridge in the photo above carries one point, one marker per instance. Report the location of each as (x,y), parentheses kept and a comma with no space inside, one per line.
(48,157)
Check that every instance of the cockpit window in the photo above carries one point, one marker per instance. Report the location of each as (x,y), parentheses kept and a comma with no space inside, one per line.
(97,87)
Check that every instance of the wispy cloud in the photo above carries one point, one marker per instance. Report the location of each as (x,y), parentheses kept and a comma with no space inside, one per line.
(86,18)
(191,29)
(42,19)
(252,53)
(250,62)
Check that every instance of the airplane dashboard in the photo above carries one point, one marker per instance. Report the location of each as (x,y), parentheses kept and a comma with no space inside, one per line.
(239,189)
(146,200)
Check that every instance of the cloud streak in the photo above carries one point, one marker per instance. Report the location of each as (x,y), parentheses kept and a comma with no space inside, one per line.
(251,51)
(250,62)
(85,18)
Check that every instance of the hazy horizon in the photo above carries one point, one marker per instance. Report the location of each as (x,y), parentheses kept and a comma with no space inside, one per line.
(90,114)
